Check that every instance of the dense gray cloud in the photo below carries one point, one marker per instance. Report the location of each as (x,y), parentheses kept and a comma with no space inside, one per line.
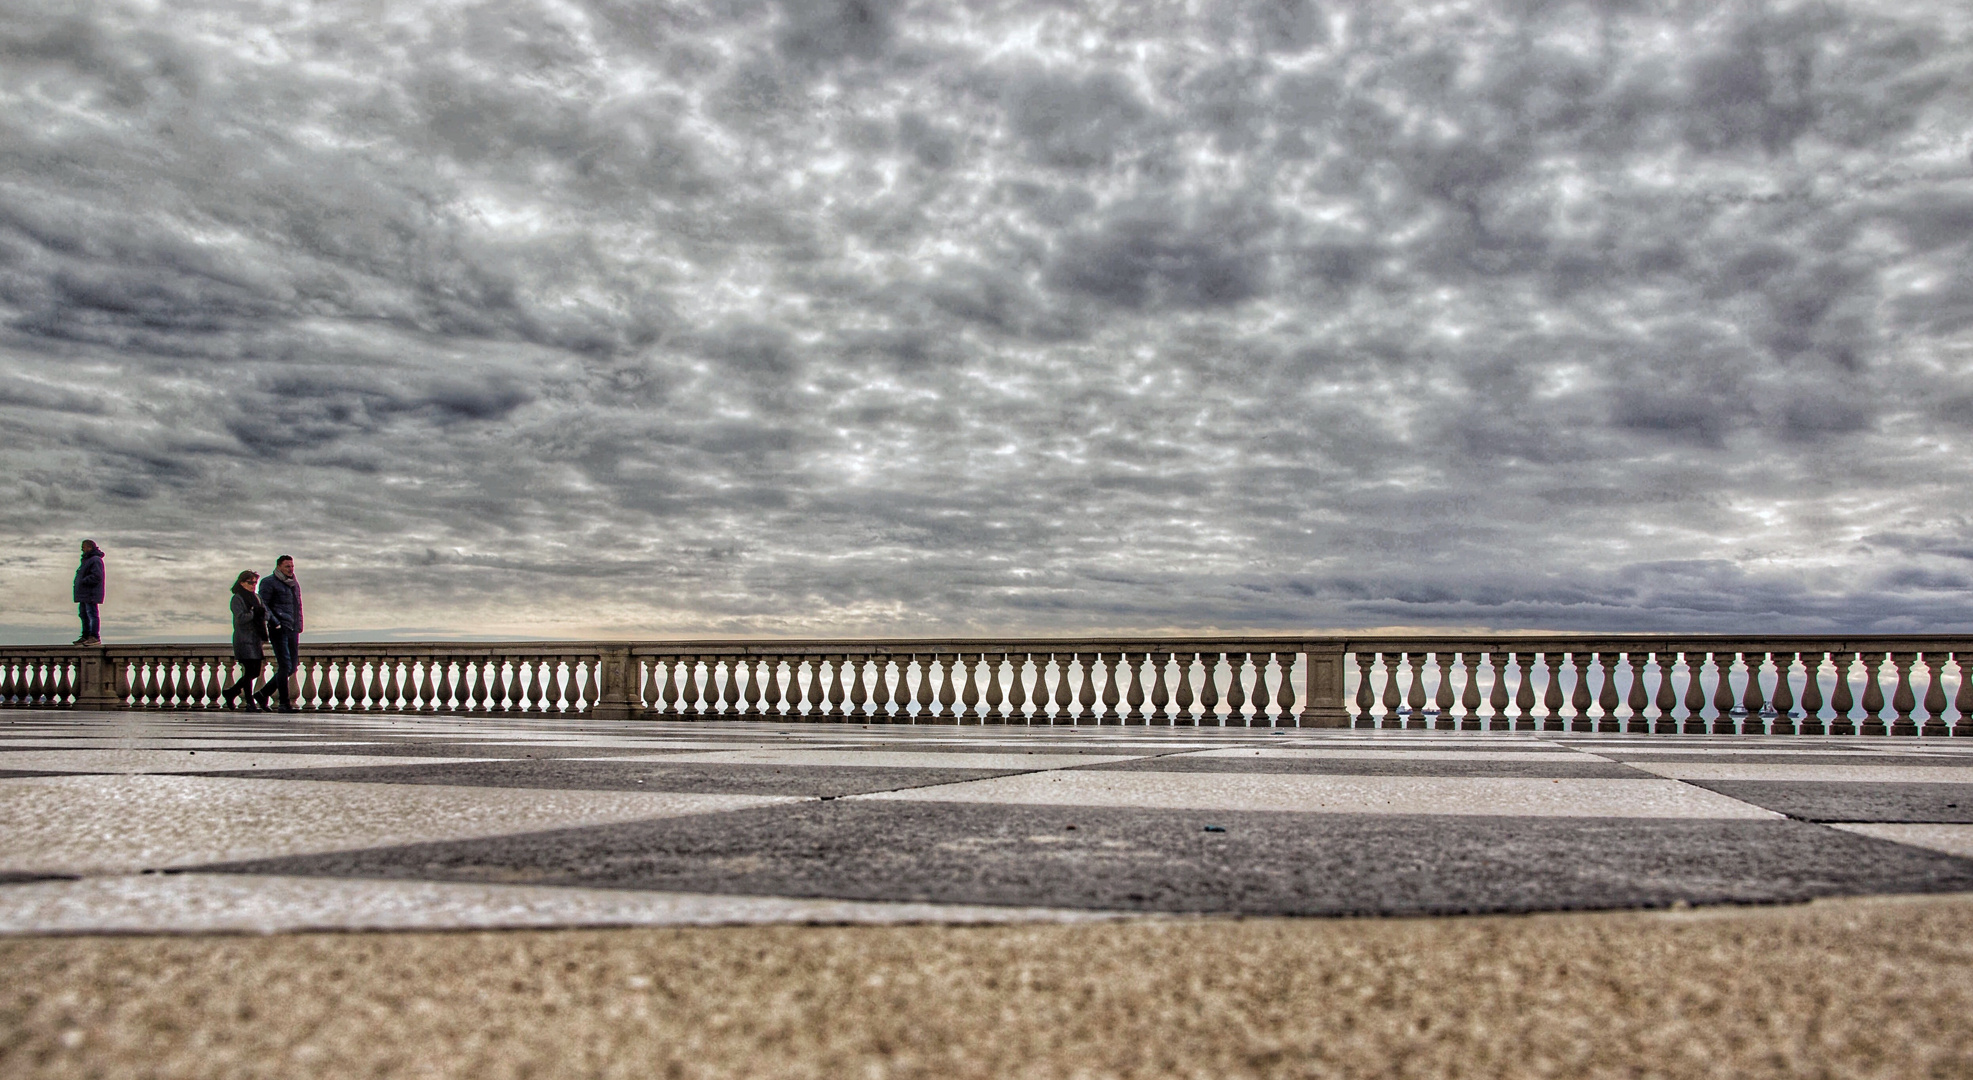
(844,316)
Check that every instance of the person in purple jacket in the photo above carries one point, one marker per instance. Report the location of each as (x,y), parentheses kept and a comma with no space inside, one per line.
(89,594)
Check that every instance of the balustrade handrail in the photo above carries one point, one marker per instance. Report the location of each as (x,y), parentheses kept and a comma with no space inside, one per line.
(1448,680)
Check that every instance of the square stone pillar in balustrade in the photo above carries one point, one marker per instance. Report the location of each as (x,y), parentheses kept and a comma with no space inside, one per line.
(1322,705)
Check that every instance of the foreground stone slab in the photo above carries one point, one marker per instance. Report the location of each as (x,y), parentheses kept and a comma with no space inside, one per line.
(1854,988)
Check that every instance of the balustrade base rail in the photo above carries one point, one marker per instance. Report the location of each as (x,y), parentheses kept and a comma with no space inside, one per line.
(1628,683)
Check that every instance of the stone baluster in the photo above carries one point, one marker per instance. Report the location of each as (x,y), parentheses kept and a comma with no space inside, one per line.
(1388,695)
(1181,695)
(1639,699)
(670,693)
(1553,664)
(1284,694)
(312,685)
(388,679)
(1017,688)
(730,694)
(880,689)
(553,684)
(1469,694)
(915,691)
(1811,723)
(1524,694)
(429,698)
(1415,692)
(1497,718)
(856,694)
(519,674)
(582,693)
(1606,698)
(1784,694)
(1723,693)
(550,670)
(924,697)
(1209,689)
(837,693)
(1902,700)
(772,701)
(969,695)
(475,685)
(807,687)
(523,682)
(410,686)
(1112,692)
(1695,693)
(1841,700)
(689,688)
(1581,699)
(948,688)
(995,696)
(1962,702)
(1086,696)
(1366,693)
(1258,694)
(1043,698)
(1754,700)
(335,684)
(1873,695)
(746,683)
(119,690)
(1234,697)
(1935,694)
(1444,699)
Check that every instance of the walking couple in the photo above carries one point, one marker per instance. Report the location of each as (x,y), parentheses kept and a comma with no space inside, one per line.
(270,615)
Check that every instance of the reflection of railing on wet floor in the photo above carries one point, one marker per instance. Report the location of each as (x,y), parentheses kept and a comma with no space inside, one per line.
(1897,685)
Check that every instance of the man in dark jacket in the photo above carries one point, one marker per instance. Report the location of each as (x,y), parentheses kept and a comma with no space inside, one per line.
(89,593)
(280,593)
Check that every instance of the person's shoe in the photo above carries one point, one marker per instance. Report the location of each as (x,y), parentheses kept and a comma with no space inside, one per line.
(229,702)
(90,641)
(289,708)
(252,706)
(80,640)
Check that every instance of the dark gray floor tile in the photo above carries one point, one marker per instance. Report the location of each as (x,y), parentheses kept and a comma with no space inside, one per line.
(1262,864)
(1844,801)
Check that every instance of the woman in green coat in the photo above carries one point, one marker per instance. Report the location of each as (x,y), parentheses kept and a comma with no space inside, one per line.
(249,639)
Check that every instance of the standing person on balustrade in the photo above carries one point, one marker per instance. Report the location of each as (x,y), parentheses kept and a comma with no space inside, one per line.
(89,594)
(280,593)
(249,639)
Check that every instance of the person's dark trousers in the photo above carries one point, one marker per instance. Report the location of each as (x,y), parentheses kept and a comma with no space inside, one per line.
(286,644)
(249,673)
(92,622)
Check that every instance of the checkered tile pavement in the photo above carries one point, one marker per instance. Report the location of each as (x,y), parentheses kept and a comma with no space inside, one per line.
(200,822)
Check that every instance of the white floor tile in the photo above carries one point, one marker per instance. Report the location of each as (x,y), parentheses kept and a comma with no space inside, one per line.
(195,903)
(1351,753)
(1851,773)
(187,761)
(119,824)
(1492,796)
(1951,839)
(890,759)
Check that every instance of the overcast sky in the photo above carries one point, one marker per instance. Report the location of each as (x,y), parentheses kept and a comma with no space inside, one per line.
(740,317)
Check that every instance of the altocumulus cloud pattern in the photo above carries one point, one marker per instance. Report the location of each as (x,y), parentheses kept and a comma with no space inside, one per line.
(866,317)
